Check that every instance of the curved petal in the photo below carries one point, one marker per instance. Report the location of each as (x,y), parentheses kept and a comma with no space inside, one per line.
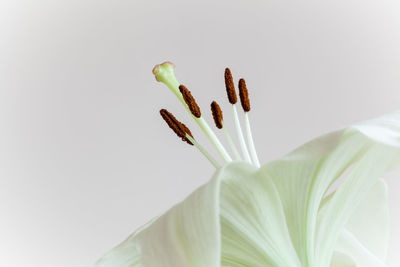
(363,175)
(369,224)
(365,237)
(269,217)
(384,129)
(188,235)
(253,225)
(303,177)
(352,247)
(342,260)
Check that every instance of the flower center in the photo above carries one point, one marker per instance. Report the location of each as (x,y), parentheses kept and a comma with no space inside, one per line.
(165,73)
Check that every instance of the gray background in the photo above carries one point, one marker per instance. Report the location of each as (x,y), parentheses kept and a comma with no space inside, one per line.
(84,156)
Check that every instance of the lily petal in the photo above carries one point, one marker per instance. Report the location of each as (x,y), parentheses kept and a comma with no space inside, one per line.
(349,245)
(365,237)
(342,260)
(374,161)
(268,217)
(303,177)
(188,235)
(369,224)
(253,224)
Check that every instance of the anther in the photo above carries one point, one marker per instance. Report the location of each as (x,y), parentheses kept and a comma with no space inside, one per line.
(179,128)
(217,114)
(190,101)
(187,131)
(230,87)
(244,95)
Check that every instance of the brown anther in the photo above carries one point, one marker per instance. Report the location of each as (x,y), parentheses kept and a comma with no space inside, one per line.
(217,114)
(187,131)
(230,87)
(190,101)
(244,95)
(179,128)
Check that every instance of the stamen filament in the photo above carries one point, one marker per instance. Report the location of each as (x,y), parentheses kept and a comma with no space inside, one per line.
(250,141)
(240,135)
(204,152)
(213,138)
(231,143)
(219,123)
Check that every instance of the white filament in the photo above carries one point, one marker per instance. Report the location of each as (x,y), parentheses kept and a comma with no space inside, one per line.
(240,135)
(250,141)
(213,138)
(231,143)
(204,152)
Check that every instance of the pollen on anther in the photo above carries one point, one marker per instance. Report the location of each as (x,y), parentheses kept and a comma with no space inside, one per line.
(178,127)
(190,101)
(187,131)
(230,87)
(244,95)
(217,114)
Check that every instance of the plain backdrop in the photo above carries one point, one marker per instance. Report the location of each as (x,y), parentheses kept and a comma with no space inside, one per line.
(85,158)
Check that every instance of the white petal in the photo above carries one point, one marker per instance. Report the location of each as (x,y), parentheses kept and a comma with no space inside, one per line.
(384,130)
(370,222)
(384,141)
(253,225)
(363,175)
(366,235)
(188,235)
(342,260)
(362,257)
(303,177)
(269,217)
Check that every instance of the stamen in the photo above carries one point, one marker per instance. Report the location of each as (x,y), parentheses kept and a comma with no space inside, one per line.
(186,130)
(244,95)
(183,132)
(217,114)
(250,141)
(232,97)
(230,87)
(245,101)
(240,135)
(218,119)
(190,101)
(204,152)
(232,144)
(179,128)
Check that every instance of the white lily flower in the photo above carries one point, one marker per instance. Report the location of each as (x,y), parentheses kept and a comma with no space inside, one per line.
(279,214)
